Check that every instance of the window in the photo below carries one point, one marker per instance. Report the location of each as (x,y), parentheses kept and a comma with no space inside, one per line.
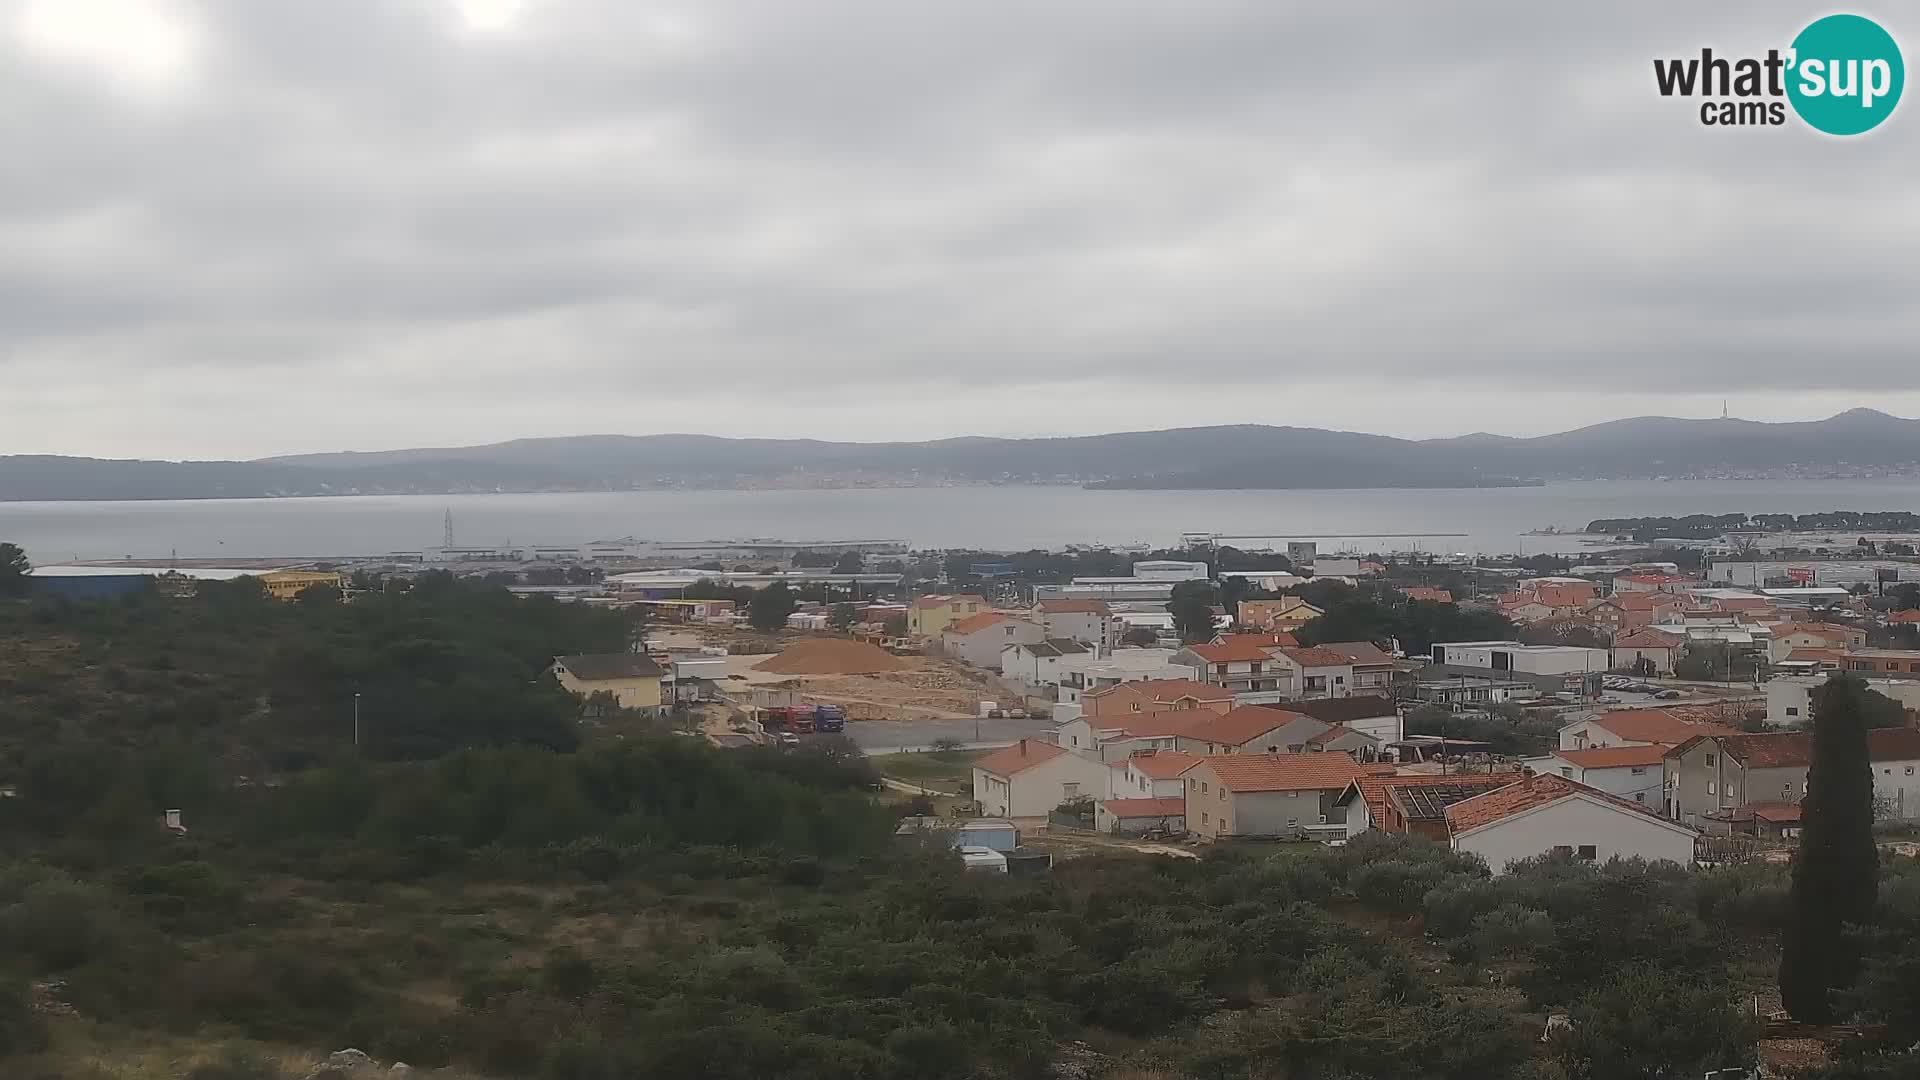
(1786,790)
(1203,817)
(1223,794)
(1192,784)
(1070,790)
(1563,849)
(1323,819)
(1709,759)
(1293,823)
(1203,787)
(1793,710)
(1637,770)
(1588,851)
(1909,770)
(1639,796)
(1711,790)
(1566,771)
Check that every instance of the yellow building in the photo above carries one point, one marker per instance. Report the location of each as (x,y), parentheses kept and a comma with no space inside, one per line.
(287,584)
(632,678)
(929,616)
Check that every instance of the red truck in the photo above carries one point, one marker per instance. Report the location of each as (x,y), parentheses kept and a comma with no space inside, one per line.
(797,719)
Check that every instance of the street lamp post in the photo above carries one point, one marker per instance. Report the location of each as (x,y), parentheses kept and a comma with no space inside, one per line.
(356,721)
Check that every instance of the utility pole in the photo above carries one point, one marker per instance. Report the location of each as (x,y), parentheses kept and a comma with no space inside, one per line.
(356,722)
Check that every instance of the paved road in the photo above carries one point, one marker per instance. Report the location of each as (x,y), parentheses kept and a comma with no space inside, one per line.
(889,736)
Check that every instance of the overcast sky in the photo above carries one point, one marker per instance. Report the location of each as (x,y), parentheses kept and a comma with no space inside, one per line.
(244,227)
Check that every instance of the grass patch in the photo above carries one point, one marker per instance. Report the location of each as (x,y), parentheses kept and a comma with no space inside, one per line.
(944,770)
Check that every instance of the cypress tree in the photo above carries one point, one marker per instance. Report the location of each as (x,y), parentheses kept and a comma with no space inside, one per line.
(1836,871)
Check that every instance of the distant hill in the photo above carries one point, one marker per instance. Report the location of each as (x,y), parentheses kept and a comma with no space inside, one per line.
(1248,456)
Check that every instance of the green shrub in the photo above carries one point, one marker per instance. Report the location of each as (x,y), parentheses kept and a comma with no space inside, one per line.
(21,1029)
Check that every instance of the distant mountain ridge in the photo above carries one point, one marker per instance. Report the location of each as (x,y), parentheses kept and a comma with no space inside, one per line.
(1243,456)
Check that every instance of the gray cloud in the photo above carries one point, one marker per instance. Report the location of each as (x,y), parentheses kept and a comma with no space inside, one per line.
(365,223)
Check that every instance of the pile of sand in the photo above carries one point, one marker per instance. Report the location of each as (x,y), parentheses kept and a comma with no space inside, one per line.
(830,656)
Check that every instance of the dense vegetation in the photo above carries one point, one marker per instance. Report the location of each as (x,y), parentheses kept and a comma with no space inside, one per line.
(261,685)
(1708,526)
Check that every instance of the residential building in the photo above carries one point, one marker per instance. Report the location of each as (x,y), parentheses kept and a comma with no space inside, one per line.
(978,640)
(1241,665)
(1250,729)
(1132,817)
(1656,647)
(1317,672)
(1372,670)
(1131,717)
(1632,610)
(929,616)
(1120,666)
(1790,636)
(1527,610)
(1471,691)
(1376,717)
(1635,773)
(1031,778)
(1357,745)
(632,678)
(1287,613)
(1711,779)
(289,584)
(1042,663)
(1547,813)
(1559,593)
(1904,663)
(1413,803)
(1268,795)
(1903,618)
(1150,774)
(1422,592)
(1154,696)
(1089,622)
(1635,727)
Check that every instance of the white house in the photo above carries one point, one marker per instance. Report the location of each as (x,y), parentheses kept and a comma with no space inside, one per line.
(1790,697)
(1121,666)
(1151,774)
(1548,813)
(978,640)
(1370,714)
(1089,622)
(1635,773)
(1317,672)
(1042,663)
(1031,778)
(1240,664)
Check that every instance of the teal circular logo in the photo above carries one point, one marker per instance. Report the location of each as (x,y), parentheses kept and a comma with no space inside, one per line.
(1845,75)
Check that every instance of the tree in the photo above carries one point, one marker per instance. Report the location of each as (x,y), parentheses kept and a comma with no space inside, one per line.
(1906,595)
(850,563)
(896,626)
(13,570)
(1140,637)
(1836,869)
(1192,609)
(1652,1022)
(1644,667)
(769,608)
(842,616)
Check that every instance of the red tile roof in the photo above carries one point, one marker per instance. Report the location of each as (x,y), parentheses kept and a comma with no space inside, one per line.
(1019,757)
(1068,607)
(1236,726)
(1357,652)
(1822,656)
(1655,726)
(1904,616)
(1332,734)
(1316,657)
(1614,757)
(1266,639)
(1165,690)
(1235,649)
(1780,813)
(1281,772)
(1161,764)
(1537,790)
(1422,592)
(1146,808)
(975,623)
